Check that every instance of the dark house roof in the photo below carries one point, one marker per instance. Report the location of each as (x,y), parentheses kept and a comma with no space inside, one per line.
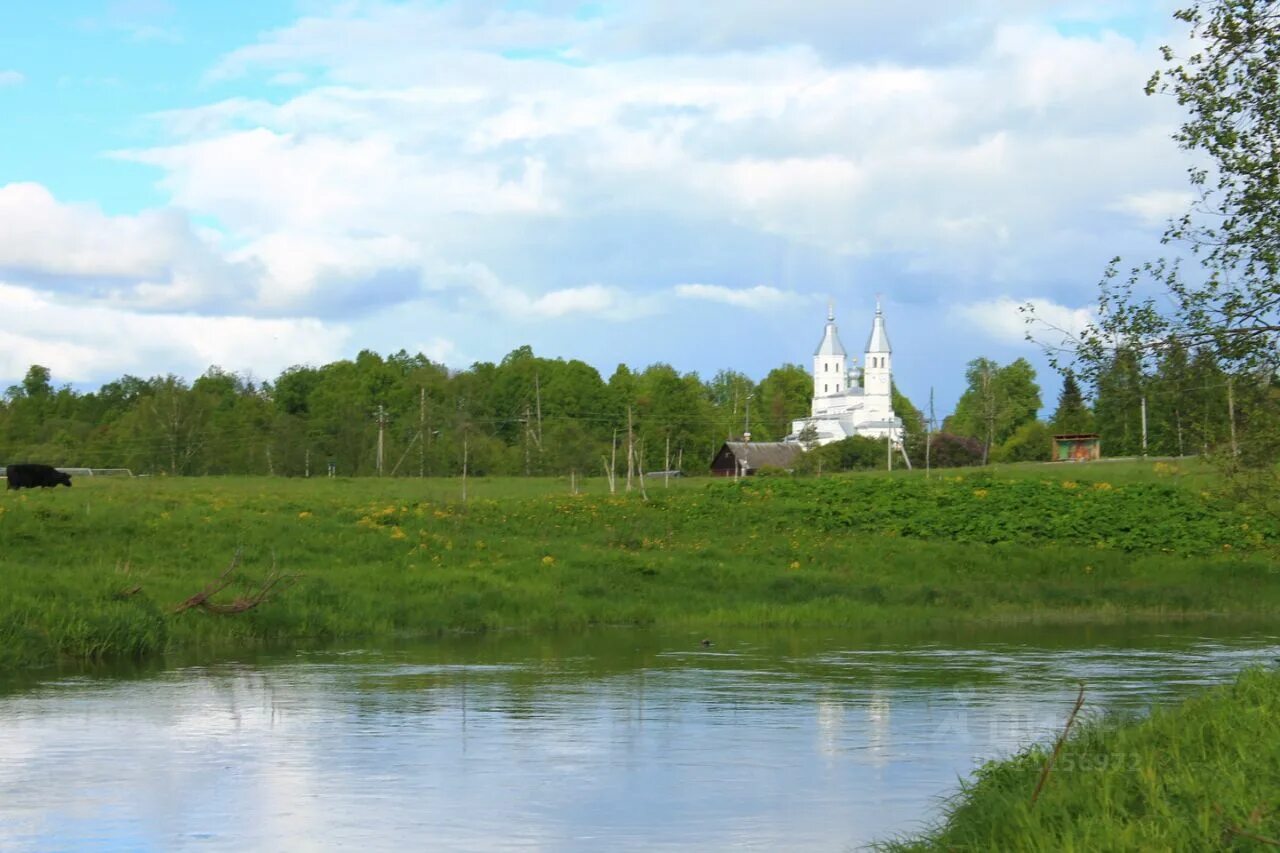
(757,455)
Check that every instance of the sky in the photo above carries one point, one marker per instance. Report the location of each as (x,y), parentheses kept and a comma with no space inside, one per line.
(260,184)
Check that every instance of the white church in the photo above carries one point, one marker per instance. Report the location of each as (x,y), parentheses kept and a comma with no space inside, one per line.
(848,402)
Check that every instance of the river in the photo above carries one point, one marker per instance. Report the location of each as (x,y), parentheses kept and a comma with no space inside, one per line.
(613,740)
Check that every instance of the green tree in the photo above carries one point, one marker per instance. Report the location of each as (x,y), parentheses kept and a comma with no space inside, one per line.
(1228,304)
(1118,407)
(785,394)
(913,425)
(1031,442)
(1072,414)
(996,402)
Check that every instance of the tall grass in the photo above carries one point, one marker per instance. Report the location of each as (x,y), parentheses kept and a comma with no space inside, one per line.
(1203,775)
(96,571)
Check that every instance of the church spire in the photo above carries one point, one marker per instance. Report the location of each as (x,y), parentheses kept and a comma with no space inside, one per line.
(830,345)
(879,340)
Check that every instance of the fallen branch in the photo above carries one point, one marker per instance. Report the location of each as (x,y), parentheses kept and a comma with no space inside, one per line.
(1261,839)
(1254,817)
(203,598)
(1057,747)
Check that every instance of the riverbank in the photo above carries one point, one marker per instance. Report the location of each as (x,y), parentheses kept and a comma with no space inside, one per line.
(98,571)
(1200,775)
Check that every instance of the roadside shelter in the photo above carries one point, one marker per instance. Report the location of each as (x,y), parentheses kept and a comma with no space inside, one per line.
(1078,447)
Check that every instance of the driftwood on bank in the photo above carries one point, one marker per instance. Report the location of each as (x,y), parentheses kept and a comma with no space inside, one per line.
(1057,747)
(203,598)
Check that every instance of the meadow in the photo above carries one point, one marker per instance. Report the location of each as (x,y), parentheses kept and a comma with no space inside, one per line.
(100,571)
(1201,775)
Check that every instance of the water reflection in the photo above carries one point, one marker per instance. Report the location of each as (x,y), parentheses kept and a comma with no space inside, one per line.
(619,740)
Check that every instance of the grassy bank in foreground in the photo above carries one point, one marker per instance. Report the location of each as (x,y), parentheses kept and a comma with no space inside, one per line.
(1202,775)
(97,571)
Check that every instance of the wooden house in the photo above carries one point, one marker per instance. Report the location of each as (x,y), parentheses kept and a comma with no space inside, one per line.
(744,458)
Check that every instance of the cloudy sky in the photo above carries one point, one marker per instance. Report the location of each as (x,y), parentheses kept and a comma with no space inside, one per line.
(260,184)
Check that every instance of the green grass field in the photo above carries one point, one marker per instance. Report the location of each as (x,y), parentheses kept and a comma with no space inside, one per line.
(1202,775)
(97,571)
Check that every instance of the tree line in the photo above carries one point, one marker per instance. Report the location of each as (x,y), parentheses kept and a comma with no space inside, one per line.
(401,414)
(406,415)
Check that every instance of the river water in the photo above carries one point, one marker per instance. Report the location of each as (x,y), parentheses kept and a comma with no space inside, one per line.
(615,740)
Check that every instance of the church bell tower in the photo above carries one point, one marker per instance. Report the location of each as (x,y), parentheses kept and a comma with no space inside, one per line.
(830,372)
(877,375)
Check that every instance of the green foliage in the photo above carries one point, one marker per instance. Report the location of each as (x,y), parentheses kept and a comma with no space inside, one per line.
(913,422)
(1197,776)
(984,508)
(996,402)
(1032,442)
(857,453)
(1222,316)
(785,394)
(954,451)
(1072,414)
(96,571)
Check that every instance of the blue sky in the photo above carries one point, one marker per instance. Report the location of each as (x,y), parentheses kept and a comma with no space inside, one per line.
(261,184)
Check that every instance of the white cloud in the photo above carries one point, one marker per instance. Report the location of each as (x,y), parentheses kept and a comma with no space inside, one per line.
(1005,321)
(1155,207)
(474,160)
(784,139)
(11,78)
(762,297)
(40,234)
(441,351)
(81,342)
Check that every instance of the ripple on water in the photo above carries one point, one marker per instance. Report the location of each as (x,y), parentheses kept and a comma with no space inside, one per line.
(765,741)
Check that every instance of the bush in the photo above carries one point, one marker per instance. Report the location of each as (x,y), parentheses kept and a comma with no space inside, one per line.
(954,451)
(849,454)
(1032,442)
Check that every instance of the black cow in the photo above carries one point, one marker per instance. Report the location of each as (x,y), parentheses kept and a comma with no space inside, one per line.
(28,476)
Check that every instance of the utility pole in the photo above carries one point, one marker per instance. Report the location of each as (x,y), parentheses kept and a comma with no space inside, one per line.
(888,446)
(528,432)
(1144,424)
(382,422)
(643,492)
(306,463)
(746,431)
(928,436)
(613,464)
(631,449)
(466,438)
(1231,415)
(537,390)
(666,464)
(422,431)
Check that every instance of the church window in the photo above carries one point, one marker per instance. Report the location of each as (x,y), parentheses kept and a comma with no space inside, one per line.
(824,389)
(837,388)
